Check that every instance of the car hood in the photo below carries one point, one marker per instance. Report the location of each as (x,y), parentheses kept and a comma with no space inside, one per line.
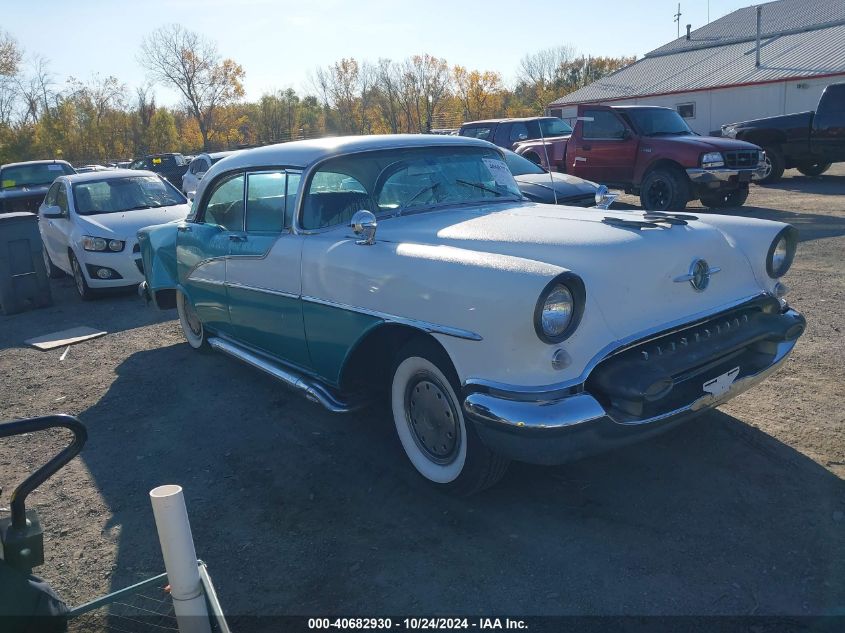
(564,184)
(704,143)
(620,265)
(125,225)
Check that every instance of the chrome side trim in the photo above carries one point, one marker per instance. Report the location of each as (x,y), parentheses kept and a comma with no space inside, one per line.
(426,326)
(549,391)
(311,389)
(210,282)
(269,291)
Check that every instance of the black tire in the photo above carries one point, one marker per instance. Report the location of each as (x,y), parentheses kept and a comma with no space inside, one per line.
(82,288)
(53,272)
(725,199)
(192,327)
(774,166)
(426,408)
(813,169)
(665,189)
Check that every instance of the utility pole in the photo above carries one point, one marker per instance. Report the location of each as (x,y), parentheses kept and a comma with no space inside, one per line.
(678,19)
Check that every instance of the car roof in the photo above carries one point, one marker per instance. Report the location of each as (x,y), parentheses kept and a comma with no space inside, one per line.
(508,120)
(109,174)
(305,153)
(220,154)
(36,162)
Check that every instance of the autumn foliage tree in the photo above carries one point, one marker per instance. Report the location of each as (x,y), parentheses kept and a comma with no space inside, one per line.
(192,65)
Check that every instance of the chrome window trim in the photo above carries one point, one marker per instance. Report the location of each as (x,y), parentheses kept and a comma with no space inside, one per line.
(261,289)
(426,326)
(611,349)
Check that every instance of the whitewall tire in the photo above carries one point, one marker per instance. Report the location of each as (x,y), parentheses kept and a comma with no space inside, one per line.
(441,445)
(192,327)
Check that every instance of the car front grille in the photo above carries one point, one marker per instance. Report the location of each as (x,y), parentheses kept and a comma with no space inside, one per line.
(742,159)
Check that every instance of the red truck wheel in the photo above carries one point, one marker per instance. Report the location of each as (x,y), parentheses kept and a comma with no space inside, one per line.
(664,190)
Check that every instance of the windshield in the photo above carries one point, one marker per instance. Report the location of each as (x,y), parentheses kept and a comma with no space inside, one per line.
(520,166)
(124,194)
(658,122)
(554,127)
(393,182)
(33,175)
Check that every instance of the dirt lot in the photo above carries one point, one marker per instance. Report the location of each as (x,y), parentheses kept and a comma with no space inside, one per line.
(299,511)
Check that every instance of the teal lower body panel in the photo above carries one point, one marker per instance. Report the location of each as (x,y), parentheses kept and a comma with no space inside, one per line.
(270,322)
(211,304)
(332,334)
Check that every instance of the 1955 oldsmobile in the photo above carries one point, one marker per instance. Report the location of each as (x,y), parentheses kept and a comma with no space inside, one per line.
(500,329)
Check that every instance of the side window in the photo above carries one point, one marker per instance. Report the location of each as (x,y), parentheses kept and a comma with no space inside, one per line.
(194,168)
(50,198)
(604,125)
(265,202)
(519,132)
(225,207)
(61,198)
(333,198)
(686,110)
(478,132)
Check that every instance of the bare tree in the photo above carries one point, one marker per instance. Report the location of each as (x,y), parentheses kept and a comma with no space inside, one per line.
(37,91)
(192,64)
(347,86)
(10,59)
(543,68)
(427,83)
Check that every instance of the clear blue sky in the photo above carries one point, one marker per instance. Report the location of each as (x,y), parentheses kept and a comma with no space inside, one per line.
(279,43)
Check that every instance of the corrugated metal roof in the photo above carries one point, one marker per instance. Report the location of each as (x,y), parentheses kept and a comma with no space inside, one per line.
(817,51)
(783,16)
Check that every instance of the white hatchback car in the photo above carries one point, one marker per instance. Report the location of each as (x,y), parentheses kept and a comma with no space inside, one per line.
(199,165)
(88,224)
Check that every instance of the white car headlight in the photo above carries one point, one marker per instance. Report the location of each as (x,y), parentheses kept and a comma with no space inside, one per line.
(100,244)
(782,252)
(559,308)
(712,159)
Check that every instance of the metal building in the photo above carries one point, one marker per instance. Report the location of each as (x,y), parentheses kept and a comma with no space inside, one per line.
(758,61)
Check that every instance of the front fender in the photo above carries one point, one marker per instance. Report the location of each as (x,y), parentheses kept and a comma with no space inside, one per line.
(158,253)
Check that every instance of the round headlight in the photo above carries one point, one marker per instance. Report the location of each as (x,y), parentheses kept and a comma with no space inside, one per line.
(782,252)
(559,308)
(115,245)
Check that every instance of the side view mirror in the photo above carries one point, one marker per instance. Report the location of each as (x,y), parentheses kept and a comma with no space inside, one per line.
(364,225)
(52,211)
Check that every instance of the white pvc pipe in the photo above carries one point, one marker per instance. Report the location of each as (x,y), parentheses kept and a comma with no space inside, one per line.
(180,559)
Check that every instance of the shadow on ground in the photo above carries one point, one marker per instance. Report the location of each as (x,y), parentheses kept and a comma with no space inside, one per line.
(298,511)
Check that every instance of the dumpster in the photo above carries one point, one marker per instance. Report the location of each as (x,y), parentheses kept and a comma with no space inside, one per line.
(23,277)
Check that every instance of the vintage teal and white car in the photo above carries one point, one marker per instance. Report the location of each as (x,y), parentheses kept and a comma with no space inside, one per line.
(499,328)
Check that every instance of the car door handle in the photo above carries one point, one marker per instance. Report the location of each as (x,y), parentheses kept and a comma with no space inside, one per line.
(237,238)
(184,228)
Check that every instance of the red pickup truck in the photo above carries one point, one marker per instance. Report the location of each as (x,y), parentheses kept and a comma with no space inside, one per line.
(651,152)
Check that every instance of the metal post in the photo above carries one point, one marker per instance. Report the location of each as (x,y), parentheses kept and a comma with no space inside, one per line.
(180,559)
(759,11)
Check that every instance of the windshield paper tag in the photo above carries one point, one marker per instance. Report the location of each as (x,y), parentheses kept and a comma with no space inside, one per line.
(501,174)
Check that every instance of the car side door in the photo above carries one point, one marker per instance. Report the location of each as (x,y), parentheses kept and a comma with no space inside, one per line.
(263,270)
(202,246)
(45,224)
(60,230)
(603,148)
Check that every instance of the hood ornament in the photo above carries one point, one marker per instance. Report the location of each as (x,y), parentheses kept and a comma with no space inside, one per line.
(699,275)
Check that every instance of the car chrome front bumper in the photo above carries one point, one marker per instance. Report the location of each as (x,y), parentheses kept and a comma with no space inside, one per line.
(555,431)
(699,175)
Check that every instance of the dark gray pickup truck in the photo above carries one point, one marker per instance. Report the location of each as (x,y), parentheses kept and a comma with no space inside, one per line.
(810,141)
(170,166)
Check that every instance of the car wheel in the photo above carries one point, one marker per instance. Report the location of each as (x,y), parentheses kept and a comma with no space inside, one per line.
(813,169)
(774,166)
(725,199)
(52,271)
(664,190)
(430,422)
(191,325)
(82,288)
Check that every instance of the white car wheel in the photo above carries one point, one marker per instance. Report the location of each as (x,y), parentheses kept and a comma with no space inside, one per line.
(440,443)
(429,420)
(191,325)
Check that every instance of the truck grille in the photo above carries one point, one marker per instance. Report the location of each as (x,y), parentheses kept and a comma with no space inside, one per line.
(742,159)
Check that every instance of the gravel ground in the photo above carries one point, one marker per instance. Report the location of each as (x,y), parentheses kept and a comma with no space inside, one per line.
(298,511)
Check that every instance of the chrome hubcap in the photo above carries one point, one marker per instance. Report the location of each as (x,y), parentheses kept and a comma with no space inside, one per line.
(767,169)
(432,418)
